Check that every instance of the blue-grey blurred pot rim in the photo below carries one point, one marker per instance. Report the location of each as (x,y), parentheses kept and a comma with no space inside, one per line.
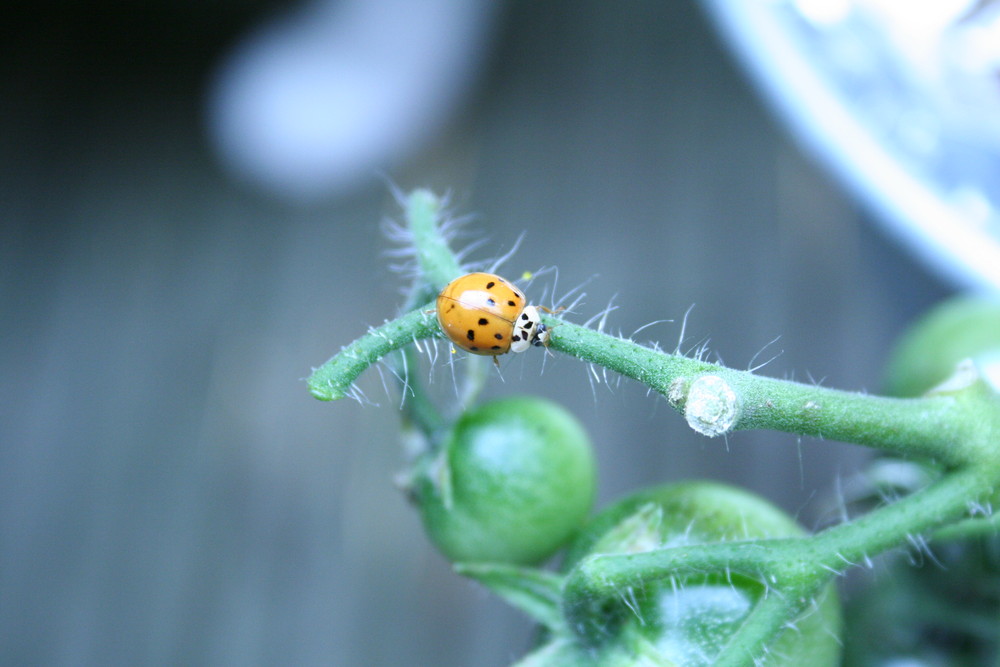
(944,232)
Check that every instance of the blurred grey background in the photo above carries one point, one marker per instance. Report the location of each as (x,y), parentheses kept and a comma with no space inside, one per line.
(172,265)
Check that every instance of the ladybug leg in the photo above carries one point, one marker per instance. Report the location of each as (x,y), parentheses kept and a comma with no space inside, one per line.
(542,336)
(496,362)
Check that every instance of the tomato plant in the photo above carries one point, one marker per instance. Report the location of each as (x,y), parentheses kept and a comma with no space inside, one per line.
(938,608)
(687,620)
(694,573)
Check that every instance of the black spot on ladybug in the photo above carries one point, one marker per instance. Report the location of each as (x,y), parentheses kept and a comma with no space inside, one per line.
(483,321)
(515,338)
(473,348)
(498,336)
(491,302)
(495,347)
(471,335)
(490,285)
(524,316)
(511,303)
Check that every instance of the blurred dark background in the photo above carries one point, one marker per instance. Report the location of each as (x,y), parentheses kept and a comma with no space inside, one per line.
(170,493)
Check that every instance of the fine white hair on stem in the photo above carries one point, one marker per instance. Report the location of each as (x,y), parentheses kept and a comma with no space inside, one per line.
(453,228)
(404,380)
(814,381)
(845,559)
(399,195)
(684,323)
(574,304)
(834,570)
(923,547)
(356,393)
(385,387)
(591,376)
(399,234)
(576,293)
(462,253)
(700,351)
(977,508)
(840,500)
(405,253)
(601,317)
(646,326)
(451,367)
(628,599)
(432,356)
(450,228)
(497,262)
(752,368)
(555,284)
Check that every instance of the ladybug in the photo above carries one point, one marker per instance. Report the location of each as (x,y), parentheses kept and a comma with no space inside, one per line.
(485,314)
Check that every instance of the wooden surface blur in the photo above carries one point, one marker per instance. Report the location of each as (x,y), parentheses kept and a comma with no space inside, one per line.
(169,492)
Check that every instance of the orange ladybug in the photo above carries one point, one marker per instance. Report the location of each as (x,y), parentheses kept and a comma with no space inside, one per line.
(485,314)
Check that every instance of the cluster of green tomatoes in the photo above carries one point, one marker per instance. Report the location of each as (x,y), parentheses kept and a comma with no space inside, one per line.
(506,485)
(513,482)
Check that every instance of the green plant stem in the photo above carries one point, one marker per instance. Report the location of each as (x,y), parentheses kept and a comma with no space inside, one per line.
(938,427)
(603,575)
(334,379)
(950,498)
(765,622)
(533,591)
(960,429)
(795,570)
(418,408)
(438,264)
(928,427)
(789,561)
(972,528)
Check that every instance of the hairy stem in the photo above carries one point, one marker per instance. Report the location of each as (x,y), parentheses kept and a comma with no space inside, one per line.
(929,427)
(959,428)
(335,378)
(935,427)
(765,622)
(950,498)
(795,570)
(438,264)
(418,408)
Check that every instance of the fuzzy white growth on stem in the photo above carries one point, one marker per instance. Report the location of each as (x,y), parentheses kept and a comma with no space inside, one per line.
(712,406)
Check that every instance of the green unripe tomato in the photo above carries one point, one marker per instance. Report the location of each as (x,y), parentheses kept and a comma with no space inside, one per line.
(687,621)
(959,328)
(512,483)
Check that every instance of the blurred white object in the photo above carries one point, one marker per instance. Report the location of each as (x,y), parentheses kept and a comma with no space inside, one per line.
(314,102)
(902,101)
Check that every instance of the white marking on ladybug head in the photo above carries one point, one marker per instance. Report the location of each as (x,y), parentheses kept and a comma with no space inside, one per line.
(525,329)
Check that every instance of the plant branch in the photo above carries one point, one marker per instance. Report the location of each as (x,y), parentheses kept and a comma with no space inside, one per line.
(958,427)
(716,400)
(438,264)
(727,399)
(762,626)
(795,570)
(951,497)
(334,379)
